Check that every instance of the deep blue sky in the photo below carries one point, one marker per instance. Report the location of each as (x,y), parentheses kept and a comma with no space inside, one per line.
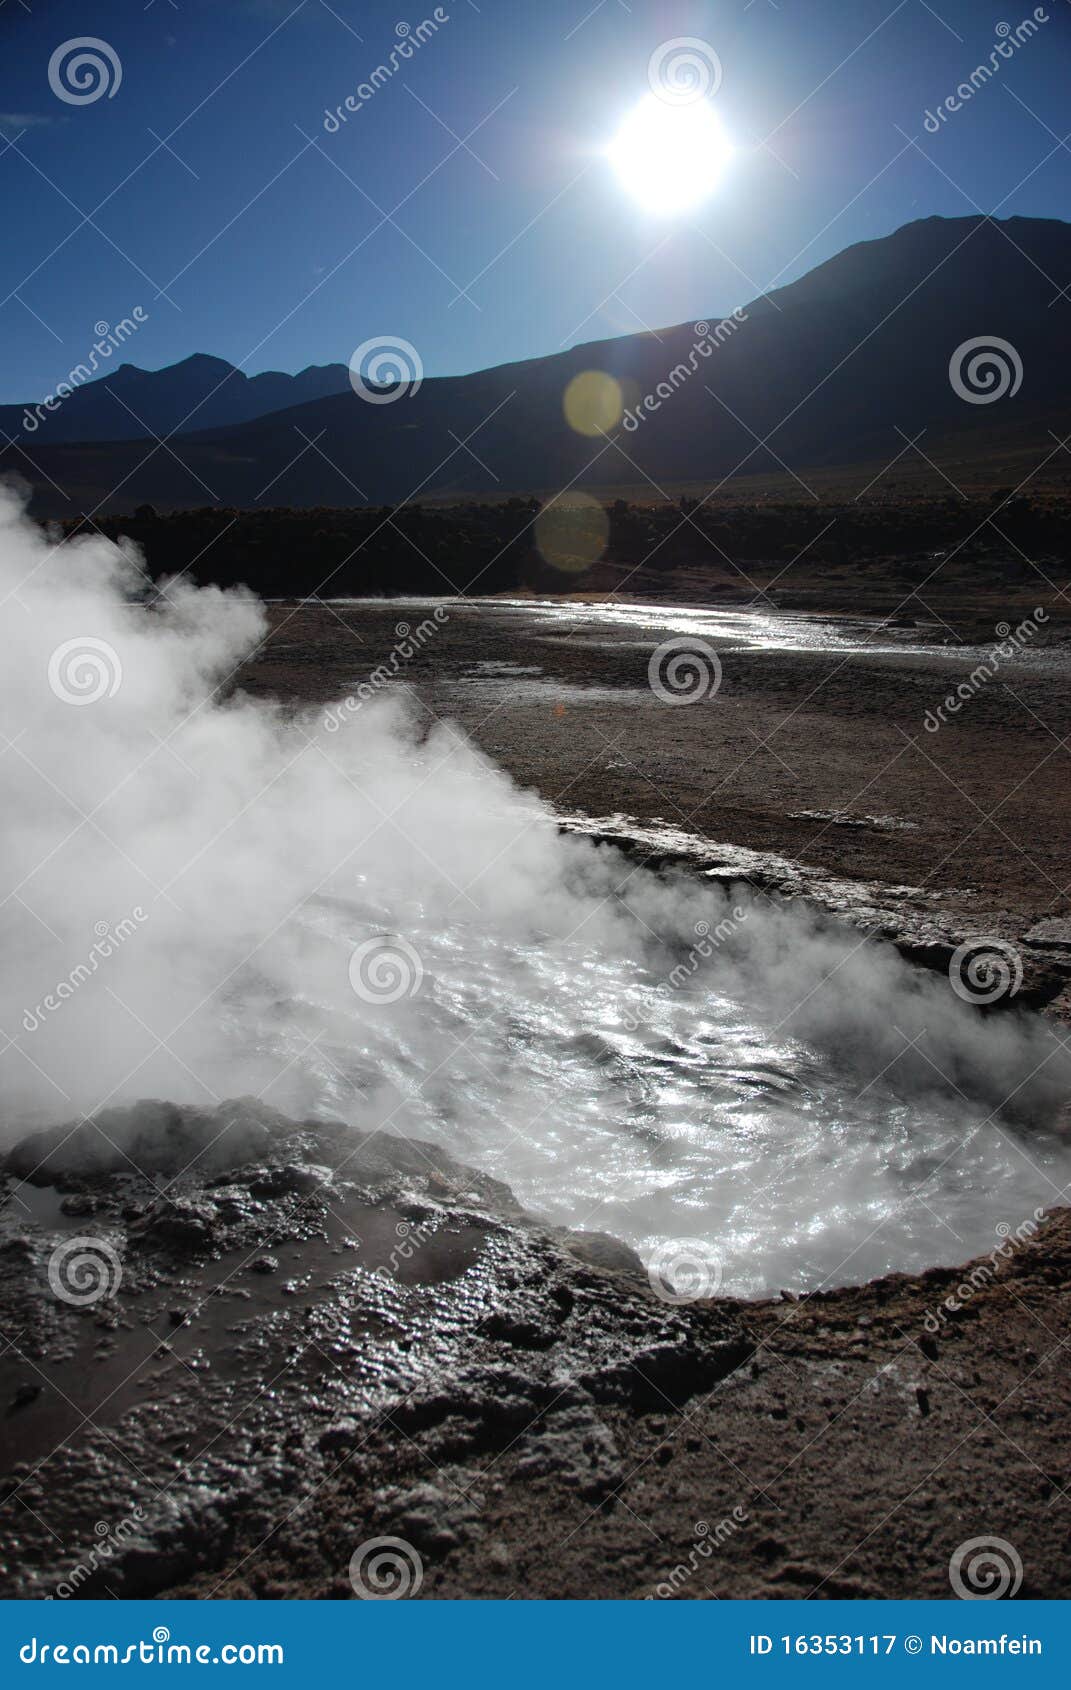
(256,250)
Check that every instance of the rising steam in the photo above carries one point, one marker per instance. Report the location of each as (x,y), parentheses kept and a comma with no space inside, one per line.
(209,895)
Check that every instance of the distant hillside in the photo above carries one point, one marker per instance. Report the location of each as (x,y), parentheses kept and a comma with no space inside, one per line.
(198,393)
(839,367)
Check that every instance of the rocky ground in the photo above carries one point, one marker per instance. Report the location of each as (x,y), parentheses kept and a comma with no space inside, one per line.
(809,773)
(286,1342)
(291,1342)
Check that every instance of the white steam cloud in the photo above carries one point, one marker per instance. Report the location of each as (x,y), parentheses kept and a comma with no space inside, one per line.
(206,895)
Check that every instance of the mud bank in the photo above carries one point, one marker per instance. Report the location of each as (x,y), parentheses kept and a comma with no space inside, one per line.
(812,758)
(287,1339)
(925,926)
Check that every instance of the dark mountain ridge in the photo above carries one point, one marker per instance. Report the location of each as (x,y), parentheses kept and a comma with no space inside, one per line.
(198,392)
(842,366)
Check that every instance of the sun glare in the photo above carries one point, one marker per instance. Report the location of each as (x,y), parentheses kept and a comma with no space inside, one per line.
(670,157)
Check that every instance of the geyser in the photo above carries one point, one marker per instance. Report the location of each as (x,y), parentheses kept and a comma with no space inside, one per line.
(208,895)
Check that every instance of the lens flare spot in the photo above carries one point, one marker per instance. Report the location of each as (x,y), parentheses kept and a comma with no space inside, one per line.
(571,532)
(593,403)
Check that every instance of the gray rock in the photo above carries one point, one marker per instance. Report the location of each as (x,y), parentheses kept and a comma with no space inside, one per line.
(79,1203)
(576,1445)
(1053,932)
(335,1440)
(184,1222)
(602,1251)
(154,1137)
(291,1179)
(434,1519)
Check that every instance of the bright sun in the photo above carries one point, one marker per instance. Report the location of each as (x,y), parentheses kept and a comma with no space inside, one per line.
(670,156)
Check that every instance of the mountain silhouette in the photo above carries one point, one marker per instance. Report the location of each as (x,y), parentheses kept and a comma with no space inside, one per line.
(197,393)
(843,366)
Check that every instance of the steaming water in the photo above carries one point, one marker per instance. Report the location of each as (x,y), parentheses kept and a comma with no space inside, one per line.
(754,628)
(750,628)
(804,1108)
(614,1101)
